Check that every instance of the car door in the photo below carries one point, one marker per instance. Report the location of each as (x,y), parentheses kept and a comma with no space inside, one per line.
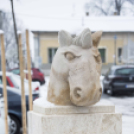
(8,81)
(14,100)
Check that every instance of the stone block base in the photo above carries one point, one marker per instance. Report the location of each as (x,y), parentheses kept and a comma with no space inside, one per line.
(74,120)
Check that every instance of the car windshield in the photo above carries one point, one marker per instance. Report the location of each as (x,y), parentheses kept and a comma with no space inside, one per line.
(16,71)
(125,71)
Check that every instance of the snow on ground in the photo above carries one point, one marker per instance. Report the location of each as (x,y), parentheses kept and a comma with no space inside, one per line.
(2,125)
(123,104)
(43,88)
(128,124)
(1,32)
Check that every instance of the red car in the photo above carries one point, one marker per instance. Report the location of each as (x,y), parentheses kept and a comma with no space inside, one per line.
(37,75)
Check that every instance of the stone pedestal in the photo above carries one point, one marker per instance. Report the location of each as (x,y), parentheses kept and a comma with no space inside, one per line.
(47,118)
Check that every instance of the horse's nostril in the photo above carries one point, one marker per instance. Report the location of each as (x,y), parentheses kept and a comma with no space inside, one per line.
(77,92)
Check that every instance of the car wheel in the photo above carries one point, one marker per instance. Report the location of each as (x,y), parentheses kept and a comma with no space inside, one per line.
(35,80)
(14,125)
(40,82)
(104,90)
(110,91)
(43,82)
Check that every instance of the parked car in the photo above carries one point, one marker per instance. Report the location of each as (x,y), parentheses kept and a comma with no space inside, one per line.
(37,75)
(119,79)
(2,120)
(15,81)
(14,107)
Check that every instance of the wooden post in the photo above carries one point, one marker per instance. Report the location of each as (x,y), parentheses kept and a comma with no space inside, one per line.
(29,71)
(3,62)
(23,99)
(25,74)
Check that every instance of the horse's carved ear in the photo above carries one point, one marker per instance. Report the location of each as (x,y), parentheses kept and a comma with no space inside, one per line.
(64,38)
(96,38)
(86,38)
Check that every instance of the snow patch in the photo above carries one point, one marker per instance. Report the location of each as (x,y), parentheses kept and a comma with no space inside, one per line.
(1,32)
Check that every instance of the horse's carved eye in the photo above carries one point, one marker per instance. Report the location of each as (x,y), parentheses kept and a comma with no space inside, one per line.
(70,56)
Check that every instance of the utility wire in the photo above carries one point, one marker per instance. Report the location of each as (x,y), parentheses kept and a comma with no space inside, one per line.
(44,17)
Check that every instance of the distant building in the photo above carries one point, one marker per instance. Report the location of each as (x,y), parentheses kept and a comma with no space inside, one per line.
(116,31)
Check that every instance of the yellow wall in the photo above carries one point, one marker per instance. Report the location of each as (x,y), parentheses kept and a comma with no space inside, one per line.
(44,45)
(50,40)
(109,45)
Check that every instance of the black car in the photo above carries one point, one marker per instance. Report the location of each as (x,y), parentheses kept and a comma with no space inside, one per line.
(119,79)
(14,108)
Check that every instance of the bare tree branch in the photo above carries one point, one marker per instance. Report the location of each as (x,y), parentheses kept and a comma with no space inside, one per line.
(101,9)
(10,42)
(108,7)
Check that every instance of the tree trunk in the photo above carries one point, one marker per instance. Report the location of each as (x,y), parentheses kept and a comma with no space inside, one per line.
(118,6)
(15,28)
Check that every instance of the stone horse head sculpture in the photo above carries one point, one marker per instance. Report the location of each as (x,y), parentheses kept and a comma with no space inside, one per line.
(75,70)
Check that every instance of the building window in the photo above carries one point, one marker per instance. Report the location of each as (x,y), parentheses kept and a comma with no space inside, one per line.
(51,53)
(119,54)
(103,54)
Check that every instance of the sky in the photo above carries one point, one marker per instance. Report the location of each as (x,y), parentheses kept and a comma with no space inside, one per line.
(45,8)
(32,11)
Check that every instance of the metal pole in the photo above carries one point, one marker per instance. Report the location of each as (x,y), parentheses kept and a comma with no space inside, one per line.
(115,49)
(1,20)
(23,100)
(29,71)
(127,49)
(3,62)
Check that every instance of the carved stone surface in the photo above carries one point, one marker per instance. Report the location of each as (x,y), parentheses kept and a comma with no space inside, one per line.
(43,107)
(75,70)
(97,119)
